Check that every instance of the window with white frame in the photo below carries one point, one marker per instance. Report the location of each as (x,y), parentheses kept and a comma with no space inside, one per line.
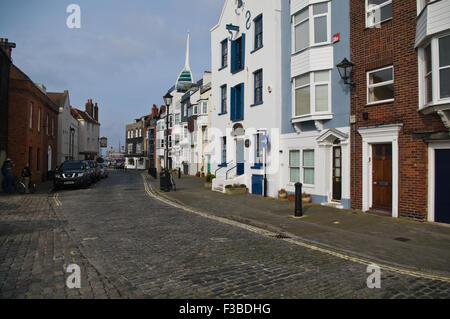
(312,93)
(311,26)
(195,109)
(435,71)
(140,132)
(137,133)
(294,166)
(258,149)
(308,167)
(130,148)
(205,134)
(204,107)
(380,85)
(224,150)
(138,148)
(177,118)
(378,11)
(132,134)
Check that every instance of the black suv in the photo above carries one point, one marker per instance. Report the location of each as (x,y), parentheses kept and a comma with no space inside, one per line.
(72,173)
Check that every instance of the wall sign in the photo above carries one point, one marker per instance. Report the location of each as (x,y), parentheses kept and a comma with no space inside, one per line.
(336,38)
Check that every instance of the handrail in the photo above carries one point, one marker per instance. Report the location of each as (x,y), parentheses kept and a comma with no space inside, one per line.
(226,177)
(226,165)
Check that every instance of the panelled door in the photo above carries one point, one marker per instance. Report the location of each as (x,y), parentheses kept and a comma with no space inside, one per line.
(382,176)
(442,186)
(240,157)
(337,173)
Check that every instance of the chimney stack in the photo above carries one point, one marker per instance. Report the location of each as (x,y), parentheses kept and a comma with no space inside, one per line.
(90,108)
(7,46)
(96,111)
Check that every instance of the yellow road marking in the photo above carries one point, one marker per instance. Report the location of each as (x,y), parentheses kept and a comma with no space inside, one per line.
(297,242)
(56,199)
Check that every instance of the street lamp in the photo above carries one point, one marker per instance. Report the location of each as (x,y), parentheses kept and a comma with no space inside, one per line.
(345,69)
(165,182)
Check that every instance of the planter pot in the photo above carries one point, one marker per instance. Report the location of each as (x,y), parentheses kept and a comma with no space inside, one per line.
(291,197)
(307,200)
(282,195)
(208,185)
(236,191)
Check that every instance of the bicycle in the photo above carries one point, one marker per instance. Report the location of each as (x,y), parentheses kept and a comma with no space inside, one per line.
(20,187)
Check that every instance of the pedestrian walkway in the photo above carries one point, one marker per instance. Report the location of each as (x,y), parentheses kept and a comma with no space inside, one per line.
(399,242)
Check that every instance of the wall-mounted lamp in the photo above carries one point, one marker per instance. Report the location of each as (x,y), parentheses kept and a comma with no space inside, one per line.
(345,69)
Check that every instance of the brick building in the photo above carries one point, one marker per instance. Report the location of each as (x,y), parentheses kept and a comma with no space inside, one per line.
(151,123)
(5,65)
(32,126)
(392,133)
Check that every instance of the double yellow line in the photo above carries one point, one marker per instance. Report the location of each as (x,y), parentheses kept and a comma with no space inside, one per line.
(56,200)
(296,241)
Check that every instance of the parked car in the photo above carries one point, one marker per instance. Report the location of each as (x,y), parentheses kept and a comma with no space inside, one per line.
(103,170)
(72,173)
(96,170)
(120,164)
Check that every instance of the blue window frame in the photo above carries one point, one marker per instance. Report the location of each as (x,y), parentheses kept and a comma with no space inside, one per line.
(258,83)
(224,61)
(238,54)
(223,103)
(237,103)
(258,32)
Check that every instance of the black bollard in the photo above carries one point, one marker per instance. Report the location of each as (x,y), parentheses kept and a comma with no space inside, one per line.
(179,173)
(298,200)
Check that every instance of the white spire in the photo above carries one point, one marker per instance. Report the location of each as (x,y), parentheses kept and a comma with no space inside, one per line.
(187,66)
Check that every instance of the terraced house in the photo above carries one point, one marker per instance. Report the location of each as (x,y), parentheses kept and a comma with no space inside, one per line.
(315,140)
(250,49)
(401,106)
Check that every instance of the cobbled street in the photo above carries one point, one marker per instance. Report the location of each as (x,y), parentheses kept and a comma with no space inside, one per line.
(130,245)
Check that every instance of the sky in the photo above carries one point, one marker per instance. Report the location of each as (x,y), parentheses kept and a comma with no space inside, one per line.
(125,56)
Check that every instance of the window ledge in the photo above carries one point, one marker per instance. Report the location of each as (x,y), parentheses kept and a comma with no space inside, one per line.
(257,49)
(312,117)
(312,46)
(374,26)
(256,104)
(431,107)
(380,102)
(223,113)
(237,71)
(222,68)
(222,165)
(257,166)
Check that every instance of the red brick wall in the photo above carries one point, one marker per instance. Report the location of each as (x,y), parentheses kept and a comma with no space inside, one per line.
(372,48)
(22,92)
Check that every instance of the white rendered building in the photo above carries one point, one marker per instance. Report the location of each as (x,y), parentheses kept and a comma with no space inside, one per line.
(250,49)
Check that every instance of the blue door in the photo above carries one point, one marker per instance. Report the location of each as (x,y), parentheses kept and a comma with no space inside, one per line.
(240,162)
(257,184)
(442,187)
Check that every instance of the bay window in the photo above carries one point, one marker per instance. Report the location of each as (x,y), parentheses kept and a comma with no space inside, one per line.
(312,93)
(378,11)
(311,26)
(434,68)
(380,85)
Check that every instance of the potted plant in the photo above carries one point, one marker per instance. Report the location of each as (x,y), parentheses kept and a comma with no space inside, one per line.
(306,198)
(208,180)
(236,189)
(282,194)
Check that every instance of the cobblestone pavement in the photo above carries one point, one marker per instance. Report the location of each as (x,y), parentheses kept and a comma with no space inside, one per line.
(131,245)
